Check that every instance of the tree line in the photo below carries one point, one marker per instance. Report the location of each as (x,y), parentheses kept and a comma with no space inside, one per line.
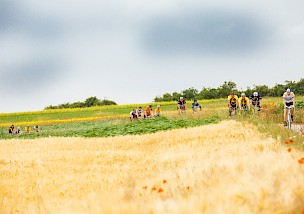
(91,101)
(225,89)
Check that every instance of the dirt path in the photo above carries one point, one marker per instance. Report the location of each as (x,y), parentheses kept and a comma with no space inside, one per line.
(223,168)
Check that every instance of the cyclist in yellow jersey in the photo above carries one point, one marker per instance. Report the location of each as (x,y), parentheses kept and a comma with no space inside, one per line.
(157,111)
(232,102)
(244,102)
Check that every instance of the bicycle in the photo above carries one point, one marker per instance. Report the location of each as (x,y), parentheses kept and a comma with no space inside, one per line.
(289,119)
(232,111)
(244,109)
(182,109)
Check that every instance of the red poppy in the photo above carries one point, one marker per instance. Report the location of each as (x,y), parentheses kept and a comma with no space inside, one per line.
(145,187)
(286,142)
(291,141)
(289,149)
(301,161)
(153,188)
(188,187)
(160,190)
(164,181)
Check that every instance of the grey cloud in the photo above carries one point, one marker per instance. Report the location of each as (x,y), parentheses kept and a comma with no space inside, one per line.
(14,18)
(212,33)
(31,74)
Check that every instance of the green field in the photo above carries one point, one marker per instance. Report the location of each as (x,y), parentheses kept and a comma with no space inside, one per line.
(114,120)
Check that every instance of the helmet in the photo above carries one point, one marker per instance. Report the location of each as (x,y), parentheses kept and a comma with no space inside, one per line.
(243,94)
(195,101)
(255,94)
(288,90)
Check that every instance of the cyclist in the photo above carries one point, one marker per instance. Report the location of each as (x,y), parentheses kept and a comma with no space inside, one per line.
(157,111)
(196,106)
(11,130)
(133,115)
(28,129)
(37,128)
(244,102)
(148,111)
(139,112)
(288,100)
(232,102)
(181,105)
(255,101)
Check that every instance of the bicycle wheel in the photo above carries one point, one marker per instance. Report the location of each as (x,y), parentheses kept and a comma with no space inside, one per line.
(288,119)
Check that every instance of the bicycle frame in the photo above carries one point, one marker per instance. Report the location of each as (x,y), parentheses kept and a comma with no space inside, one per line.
(288,119)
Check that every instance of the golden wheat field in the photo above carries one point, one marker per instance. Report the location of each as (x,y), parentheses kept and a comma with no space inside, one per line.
(224,168)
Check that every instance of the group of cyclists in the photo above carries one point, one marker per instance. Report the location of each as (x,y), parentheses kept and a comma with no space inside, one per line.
(255,102)
(147,113)
(27,130)
(244,103)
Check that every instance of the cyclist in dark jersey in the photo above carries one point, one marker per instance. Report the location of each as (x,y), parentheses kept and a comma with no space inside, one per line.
(256,101)
(181,105)
(139,111)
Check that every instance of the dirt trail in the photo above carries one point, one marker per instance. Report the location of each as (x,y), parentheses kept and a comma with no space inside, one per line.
(224,168)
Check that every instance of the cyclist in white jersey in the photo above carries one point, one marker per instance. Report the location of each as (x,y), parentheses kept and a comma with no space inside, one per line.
(288,100)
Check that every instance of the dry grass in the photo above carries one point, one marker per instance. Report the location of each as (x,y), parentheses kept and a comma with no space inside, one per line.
(223,168)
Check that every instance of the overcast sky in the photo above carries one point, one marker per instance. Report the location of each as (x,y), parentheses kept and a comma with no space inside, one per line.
(58,51)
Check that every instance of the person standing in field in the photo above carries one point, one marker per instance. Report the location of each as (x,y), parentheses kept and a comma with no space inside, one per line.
(232,102)
(158,111)
(244,102)
(288,101)
(148,112)
(181,105)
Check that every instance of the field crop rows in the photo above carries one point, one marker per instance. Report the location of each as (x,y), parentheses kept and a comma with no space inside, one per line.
(228,167)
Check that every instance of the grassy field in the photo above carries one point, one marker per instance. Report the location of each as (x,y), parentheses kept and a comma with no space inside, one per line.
(170,164)
(228,167)
(114,120)
(102,121)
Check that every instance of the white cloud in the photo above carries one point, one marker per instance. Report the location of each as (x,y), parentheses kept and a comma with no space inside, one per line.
(100,46)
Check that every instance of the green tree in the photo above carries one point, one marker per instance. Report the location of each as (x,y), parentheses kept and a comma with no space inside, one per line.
(92,101)
(176,96)
(227,88)
(263,90)
(105,102)
(190,93)
(208,93)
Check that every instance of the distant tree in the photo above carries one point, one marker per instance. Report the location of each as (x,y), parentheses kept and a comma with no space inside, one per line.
(189,94)
(158,99)
(277,90)
(299,87)
(227,88)
(92,101)
(105,102)
(208,93)
(176,96)
(167,97)
(263,90)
